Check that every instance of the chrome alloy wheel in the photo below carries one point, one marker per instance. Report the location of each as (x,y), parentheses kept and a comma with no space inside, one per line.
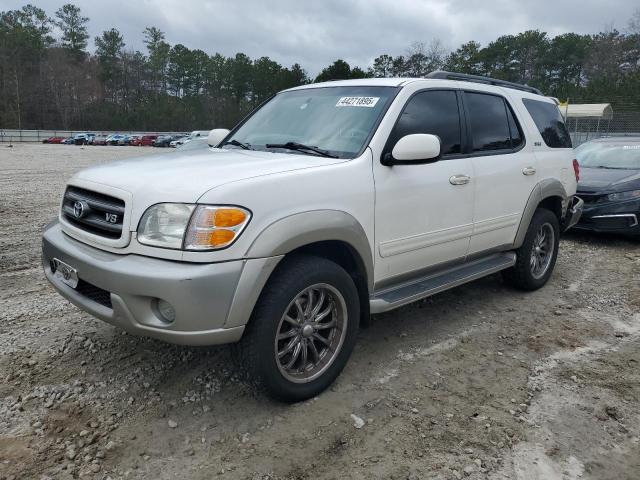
(542,250)
(310,333)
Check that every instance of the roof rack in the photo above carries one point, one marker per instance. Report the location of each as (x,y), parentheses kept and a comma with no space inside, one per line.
(440,74)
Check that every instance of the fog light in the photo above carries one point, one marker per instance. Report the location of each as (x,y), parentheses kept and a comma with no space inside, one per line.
(165,311)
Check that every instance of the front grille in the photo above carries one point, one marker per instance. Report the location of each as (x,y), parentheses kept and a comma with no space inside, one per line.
(94,293)
(93,212)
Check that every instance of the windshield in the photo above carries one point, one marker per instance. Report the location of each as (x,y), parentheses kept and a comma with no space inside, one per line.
(609,155)
(338,120)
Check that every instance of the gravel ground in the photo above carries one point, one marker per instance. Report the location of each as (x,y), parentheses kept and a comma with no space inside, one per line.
(479,382)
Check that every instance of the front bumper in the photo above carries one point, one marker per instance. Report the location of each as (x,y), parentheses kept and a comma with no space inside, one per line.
(574,213)
(611,217)
(212,302)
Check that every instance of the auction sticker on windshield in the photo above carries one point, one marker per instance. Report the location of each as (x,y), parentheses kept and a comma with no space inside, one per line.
(357,102)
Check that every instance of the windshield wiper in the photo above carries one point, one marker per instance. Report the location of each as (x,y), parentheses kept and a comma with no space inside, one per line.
(301,147)
(237,143)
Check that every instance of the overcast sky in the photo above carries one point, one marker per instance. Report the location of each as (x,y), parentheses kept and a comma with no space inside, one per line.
(315,33)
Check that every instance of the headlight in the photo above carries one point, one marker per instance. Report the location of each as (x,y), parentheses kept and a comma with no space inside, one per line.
(192,227)
(163,225)
(630,195)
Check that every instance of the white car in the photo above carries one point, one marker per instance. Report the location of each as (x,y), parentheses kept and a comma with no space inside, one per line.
(330,202)
(179,141)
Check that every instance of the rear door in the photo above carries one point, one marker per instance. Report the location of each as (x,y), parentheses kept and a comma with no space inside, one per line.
(504,166)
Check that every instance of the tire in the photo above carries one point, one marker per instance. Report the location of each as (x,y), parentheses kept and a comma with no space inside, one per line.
(533,268)
(333,291)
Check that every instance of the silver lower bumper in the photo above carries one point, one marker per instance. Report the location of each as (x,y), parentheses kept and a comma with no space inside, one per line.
(207,309)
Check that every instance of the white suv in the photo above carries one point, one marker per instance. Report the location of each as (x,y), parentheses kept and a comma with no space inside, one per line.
(328,203)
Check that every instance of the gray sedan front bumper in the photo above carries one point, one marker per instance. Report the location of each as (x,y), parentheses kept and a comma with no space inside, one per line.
(124,290)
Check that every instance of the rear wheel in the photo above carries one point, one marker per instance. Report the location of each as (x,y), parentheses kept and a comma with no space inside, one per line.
(302,330)
(537,256)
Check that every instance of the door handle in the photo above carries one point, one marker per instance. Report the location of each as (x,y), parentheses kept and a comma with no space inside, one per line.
(459,179)
(528,171)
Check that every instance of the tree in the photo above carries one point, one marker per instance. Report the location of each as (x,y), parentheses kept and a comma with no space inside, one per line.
(109,47)
(158,62)
(422,58)
(74,30)
(339,70)
(24,38)
(178,79)
(564,64)
(466,59)
(382,66)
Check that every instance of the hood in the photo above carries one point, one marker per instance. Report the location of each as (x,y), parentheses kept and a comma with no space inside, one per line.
(186,176)
(607,180)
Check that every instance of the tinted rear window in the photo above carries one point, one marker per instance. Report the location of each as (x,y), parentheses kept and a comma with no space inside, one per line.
(488,122)
(550,123)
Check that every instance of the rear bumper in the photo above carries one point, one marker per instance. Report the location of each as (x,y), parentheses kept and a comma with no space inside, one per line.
(574,213)
(212,302)
(612,217)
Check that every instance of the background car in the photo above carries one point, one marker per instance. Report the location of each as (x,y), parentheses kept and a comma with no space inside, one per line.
(69,141)
(99,140)
(147,140)
(114,139)
(180,140)
(133,139)
(164,140)
(54,140)
(195,144)
(125,140)
(610,185)
(83,138)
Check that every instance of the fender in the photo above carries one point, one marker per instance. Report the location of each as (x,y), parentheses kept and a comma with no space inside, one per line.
(300,229)
(284,236)
(549,187)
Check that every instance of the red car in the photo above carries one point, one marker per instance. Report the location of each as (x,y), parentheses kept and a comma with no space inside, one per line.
(54,140)
(147,140)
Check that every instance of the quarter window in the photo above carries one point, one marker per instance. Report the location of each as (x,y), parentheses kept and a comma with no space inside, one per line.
(550,123)
(517,138)
(432,111)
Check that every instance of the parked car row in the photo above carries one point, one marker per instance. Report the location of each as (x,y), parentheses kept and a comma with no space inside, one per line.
(138,140)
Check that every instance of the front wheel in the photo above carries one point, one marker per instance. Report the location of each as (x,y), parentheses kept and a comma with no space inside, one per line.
(538,253)
(302,330)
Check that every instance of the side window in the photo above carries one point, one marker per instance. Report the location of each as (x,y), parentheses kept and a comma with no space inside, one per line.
(432,111)
(517,138)
(488,122)
(550,123)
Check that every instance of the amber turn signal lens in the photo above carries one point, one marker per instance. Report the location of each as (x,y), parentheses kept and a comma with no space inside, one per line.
(229,217)
(214,238)
(221,217)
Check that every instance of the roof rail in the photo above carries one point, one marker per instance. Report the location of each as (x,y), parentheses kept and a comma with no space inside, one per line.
(440,74)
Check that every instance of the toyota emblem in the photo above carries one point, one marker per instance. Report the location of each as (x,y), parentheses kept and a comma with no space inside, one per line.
(80,209)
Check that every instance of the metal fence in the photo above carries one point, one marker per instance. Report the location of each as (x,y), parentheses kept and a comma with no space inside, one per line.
(37,136)
(622,124)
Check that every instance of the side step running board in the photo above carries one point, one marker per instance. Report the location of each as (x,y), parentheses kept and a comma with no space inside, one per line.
(400,295)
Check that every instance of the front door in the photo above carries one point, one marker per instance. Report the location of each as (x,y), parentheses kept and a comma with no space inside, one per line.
(424,212)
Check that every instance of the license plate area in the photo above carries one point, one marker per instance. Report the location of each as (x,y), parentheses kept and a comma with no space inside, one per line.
(64,272)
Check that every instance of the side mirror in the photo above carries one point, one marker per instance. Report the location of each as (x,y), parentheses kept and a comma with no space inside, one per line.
(216,135)
(418,147)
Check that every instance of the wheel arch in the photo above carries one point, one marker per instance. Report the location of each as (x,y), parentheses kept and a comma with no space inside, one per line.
(331,234)
(549,194)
